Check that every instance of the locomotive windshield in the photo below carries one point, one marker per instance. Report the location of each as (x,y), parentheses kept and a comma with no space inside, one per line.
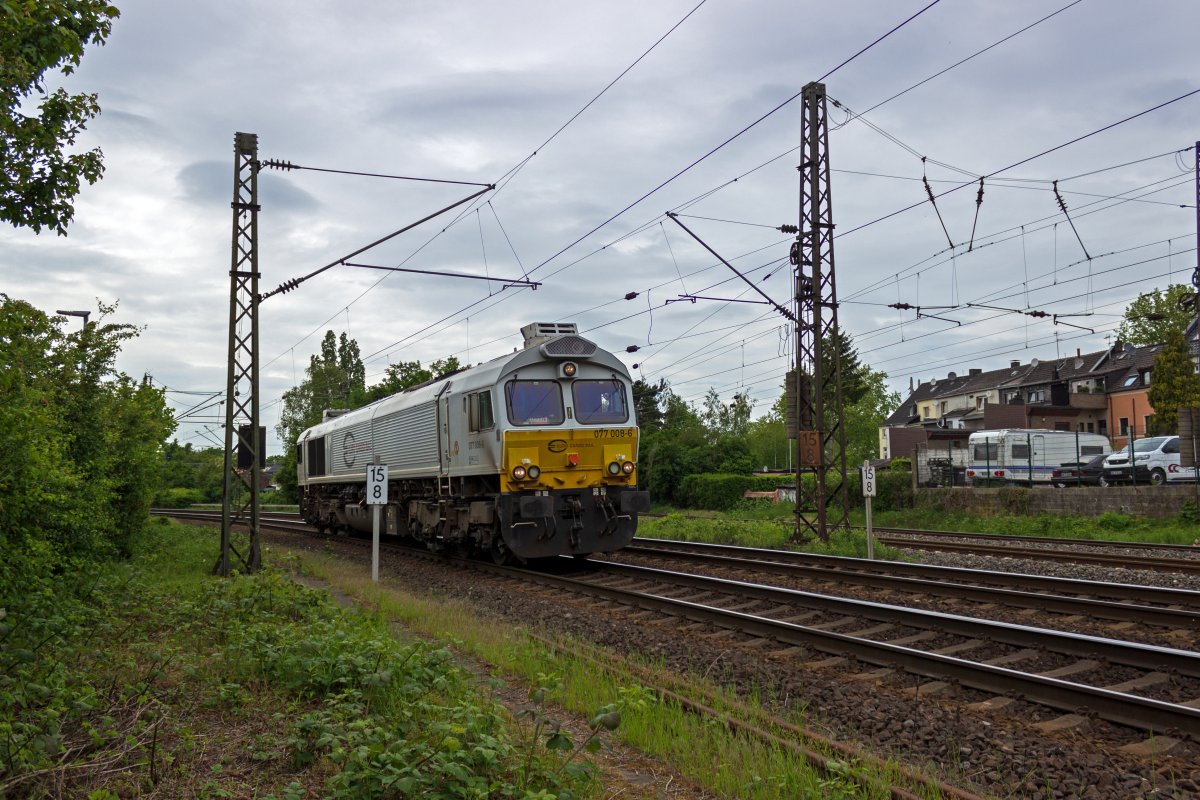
(534,402)
(599,402)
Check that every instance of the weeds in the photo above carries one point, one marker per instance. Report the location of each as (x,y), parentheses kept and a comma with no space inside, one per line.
(107,672)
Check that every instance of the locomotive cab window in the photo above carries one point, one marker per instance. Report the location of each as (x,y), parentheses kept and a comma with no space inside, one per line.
(599,402)
(534,402)
(479,407)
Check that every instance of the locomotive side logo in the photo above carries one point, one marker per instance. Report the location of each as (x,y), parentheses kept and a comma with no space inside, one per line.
(556,445)
(348,449)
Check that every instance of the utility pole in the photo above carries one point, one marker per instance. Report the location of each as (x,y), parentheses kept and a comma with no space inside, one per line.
(823,506)
(243,443)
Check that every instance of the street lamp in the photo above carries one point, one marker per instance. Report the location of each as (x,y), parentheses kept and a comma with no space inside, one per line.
(84,314)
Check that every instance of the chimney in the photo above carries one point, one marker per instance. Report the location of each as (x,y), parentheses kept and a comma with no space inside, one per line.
(1118,346)
(1014,364)
(910,384)
(1078,353)
(975,371)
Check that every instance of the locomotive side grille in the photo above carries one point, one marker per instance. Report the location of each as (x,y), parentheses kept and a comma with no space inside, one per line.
(569,346)
(407,440)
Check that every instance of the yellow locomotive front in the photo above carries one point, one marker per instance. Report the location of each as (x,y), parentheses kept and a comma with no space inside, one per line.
(568,482)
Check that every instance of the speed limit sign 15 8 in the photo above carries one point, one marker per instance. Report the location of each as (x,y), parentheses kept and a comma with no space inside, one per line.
(377,480)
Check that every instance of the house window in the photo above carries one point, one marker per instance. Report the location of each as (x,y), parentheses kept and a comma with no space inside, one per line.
(1037,395)
(942,408)
(1063,426)
(1145,377)
(980,402)
(1091,427)
(1146,423)
(1102,428)
(925,412)
(1123,426)
(1081,427)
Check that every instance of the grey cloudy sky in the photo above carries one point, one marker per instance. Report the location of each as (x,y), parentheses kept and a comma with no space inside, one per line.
(466,91)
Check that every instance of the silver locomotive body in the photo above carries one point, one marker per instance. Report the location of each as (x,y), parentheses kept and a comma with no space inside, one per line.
(533,454)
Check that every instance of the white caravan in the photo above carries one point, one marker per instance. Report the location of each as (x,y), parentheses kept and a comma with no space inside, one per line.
(1029,455)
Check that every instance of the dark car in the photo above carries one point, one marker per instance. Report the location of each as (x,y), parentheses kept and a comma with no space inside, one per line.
(1074,473)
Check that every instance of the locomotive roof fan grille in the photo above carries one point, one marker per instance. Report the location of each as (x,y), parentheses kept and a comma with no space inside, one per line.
(558,340)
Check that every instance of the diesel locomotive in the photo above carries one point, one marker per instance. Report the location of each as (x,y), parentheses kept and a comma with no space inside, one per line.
(529,455)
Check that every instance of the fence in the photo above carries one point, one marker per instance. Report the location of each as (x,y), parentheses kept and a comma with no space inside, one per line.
(941,464)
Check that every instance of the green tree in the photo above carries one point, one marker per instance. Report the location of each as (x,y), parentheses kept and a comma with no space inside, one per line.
(863,418)
(82,441)
(723,419)
(1153,316)
(677,448)
(854,384)
(40,178)
(647,400)
(187,467)
(406,374)
(1174,384)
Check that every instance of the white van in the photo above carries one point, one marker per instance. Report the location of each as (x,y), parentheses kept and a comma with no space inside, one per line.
(1029,455)
(1155,462)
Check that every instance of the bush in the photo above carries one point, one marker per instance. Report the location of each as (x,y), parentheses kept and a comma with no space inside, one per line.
(717,492)
(1114,521)
(893,490)
(178,498)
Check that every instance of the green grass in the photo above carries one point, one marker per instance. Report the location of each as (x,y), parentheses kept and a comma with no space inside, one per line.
(753,524)
(1107,526)
(700,748)
(761,524)
(154,677)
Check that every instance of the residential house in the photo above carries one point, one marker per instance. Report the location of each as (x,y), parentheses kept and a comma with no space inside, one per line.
(1128,398)
(1082,393)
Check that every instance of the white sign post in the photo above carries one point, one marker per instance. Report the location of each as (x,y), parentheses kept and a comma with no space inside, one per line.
(377,493)
(869,490)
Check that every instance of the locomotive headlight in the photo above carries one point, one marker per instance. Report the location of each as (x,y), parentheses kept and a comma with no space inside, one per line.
(627,468)
(519,472)
(533,472)
(614,468)
(569,369)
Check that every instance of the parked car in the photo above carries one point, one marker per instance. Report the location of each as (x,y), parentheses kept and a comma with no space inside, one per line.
(1074,473)
(1155,461)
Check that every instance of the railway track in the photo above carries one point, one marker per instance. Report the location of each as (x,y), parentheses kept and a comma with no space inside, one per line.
(1105,674)
(1117,602)
(1186,559)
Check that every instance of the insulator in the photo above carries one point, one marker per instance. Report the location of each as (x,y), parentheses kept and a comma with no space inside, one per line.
(633,348)
(794,254)
(630,295)
(789,228)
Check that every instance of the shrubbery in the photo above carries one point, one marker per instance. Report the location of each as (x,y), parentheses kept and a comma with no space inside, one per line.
(178,498)
(102,671)
(716,492)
